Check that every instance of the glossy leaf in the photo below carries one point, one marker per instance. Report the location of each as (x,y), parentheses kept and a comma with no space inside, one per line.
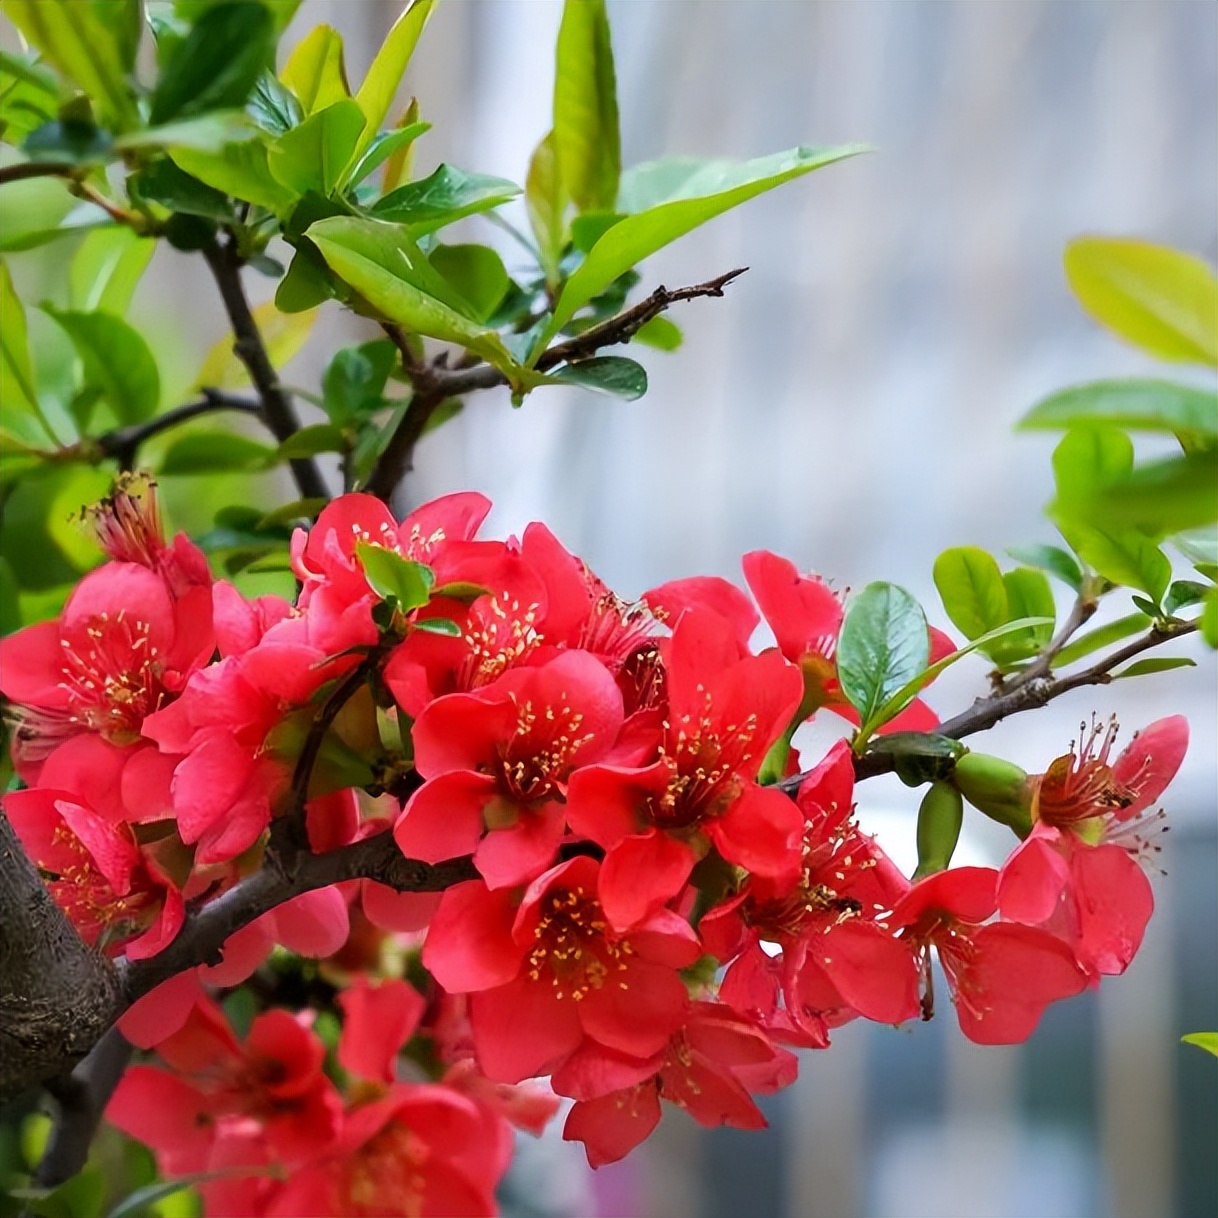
(476,273)
(438,625)
(105,269)
(1053,559)
(972,590)
(443,197)
(586,139)
(384,146)
(376,94)
(719,186)
(283,335)
(273,106)
(391,575)
(1123,556)
(314,155)
(1159,299)
(1142,405)
(1182,593)
(116,360)
(315,71)
(161,181)
(386,267)
(84,46)
(241,171)
(1203,1040)
(910,690)
(610,374)
(1028,596)
(210,452)
(883,644)
(1101,636)
(217,64)
(354,381)
(1145,668)
(211,132)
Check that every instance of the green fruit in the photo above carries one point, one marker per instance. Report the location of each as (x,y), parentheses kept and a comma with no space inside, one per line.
(939,821)
(998,788)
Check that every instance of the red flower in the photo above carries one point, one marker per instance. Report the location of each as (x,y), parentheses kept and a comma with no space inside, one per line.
(499,760)
(708,1067)
(1002,975)
(547,971)
(1080,873)
(656,821)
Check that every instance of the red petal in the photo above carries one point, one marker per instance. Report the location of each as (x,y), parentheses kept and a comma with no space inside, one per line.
(640,875)
(612,1126)
(313,924)
(1032,880)
(443,818)
(165,1113)
(607,803)
(761,832)
(1151,761)
(873,972)
(523,1029)
(469,943)
(161,1012)
(377,1022)
(520,853)
(1114,900)
(803,612)
(636,1010)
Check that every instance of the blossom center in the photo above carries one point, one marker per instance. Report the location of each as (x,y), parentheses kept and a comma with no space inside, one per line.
(571,946)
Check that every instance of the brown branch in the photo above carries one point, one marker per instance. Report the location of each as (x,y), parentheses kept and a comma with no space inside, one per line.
(1080,614)
(203,936)
(37,169)
(434,383)
(278,413)
(123,443)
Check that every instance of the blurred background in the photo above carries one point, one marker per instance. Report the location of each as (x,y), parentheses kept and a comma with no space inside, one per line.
(849,404)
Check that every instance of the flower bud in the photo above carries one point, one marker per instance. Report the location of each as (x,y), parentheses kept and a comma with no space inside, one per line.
(998,788)
(939,821)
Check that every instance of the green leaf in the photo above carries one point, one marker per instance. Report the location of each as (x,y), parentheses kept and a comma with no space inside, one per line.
(376,94)
(391,575)
(1086,459)
(17,389)
(546,201)
(217,64)
(719,186)
(354,381)
(314,155)
(212,132)
(161,181)
(289,513)
(209,452)
(81,143)
(84,46)
(1199,546)
(1203,1040)
(1142,668)
(241,171)
(972,590)
(445,196)
(1142,405)
(610,374)
(317,438)
(1164,496)
(387,268)
(1159,299)
(116,360)
(1028,596)
(383,146)
(660,333)
(307,284)
(1053,559)
(902,697)
(105,269)
(273,106)
(476,273)
(1183,592)
(315,71)
(1209,618)
(586,138)
(439,625)
(1122,556)
(1102,636)
(883,644)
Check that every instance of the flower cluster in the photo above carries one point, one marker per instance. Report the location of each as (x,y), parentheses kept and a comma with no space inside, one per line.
(652,917)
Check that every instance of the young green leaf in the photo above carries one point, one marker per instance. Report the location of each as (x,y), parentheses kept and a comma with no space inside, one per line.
(638,236)
(241,171)
(1053,559)
(1143,668)
(546,200)
(442,198)
(883,644)
(161,181)
(611,374)
(1159,299)
(1122,556)
(1182,593)
(384,146)
(1101,636)
(17,389)
(660,333)
(315,71)
(1209,618)
(209,452)
(391,575)
(217,64)
(376,94)
(314,155)
(354,381)
(971,588)
(317,438)
(212,132)
(586,139)
(1029,596)
(1142,405)
(1203,1040)
(85,47)
(116,360)
(1164,496)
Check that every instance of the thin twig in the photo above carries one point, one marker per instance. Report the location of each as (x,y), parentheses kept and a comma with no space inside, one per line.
(123,443)
(278,413)
(37,169)
(435,383)
(1081,612)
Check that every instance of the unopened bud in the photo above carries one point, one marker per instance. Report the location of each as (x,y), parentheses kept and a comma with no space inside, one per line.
(939,821)
(998,788)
